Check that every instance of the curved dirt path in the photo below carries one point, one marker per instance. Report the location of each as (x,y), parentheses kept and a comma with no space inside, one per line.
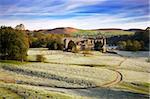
(115,81)
(119,77)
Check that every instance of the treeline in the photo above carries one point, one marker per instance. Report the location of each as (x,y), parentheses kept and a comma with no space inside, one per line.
(136,42)
(51,41)
(14,43)
(131,45)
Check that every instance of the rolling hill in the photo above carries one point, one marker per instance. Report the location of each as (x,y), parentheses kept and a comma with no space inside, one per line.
(75,31)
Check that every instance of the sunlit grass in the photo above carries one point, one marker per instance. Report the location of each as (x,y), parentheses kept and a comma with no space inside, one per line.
(12,62)
(135,87)
(30,92)
(8,94)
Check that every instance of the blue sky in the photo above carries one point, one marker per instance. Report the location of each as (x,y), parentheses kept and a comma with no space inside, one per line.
(83,14)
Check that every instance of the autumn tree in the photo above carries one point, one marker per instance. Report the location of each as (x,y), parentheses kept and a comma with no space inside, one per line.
(13,43)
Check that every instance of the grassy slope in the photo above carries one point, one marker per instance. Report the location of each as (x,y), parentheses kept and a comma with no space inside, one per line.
(56,75)
(130,86)
(142,88)
(12,62)
(106,33)
(7,94)
(29,92)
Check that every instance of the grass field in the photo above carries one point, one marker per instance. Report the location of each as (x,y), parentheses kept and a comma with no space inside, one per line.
(102,32)
(66,75)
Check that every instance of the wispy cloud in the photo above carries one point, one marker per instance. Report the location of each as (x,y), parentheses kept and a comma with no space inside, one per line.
(36,14)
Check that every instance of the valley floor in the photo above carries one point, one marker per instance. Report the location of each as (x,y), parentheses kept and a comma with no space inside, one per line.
(66,75)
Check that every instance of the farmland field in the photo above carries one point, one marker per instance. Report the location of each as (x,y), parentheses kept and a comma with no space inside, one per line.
(65,75)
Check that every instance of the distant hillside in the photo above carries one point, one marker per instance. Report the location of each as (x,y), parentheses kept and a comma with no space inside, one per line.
(107,29)
(134,30)
(105,32)
(62,30)
(74,31)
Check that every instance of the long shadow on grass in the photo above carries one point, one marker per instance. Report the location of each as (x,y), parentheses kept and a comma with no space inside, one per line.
(106,93)
(88,65)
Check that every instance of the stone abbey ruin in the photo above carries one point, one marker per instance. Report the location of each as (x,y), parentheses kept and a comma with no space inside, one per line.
(85,43)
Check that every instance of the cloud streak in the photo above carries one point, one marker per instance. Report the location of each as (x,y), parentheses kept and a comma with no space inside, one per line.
(37,14)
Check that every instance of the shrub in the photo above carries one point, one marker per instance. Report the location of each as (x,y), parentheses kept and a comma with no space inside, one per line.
(74,50)
(148,59)
(40,58)
(87,52)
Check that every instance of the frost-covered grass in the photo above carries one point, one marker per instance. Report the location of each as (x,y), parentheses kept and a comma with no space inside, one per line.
(99,75)
(59,57)
(135,61)
(21,79)
(129,62)
(81,59)
(75,70)
(136,64)
(31,92)
(59,76)
(94,59)
(135,76)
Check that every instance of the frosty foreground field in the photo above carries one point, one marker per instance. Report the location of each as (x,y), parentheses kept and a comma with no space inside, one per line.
(75,75)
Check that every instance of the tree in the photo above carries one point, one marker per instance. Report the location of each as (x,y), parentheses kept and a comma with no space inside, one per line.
(122,44)
(20,27)
(54,45)
(51,41)
(40,58)
(136,45)
(143,36)
(129,45)
(13,44)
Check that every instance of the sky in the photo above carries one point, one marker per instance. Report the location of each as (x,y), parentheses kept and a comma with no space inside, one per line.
(82,14)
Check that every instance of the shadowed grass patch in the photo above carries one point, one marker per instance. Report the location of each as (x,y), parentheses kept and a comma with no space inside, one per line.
(88,65)
(13,62)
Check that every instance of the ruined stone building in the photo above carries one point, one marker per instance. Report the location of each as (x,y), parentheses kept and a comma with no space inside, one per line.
(86,43)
